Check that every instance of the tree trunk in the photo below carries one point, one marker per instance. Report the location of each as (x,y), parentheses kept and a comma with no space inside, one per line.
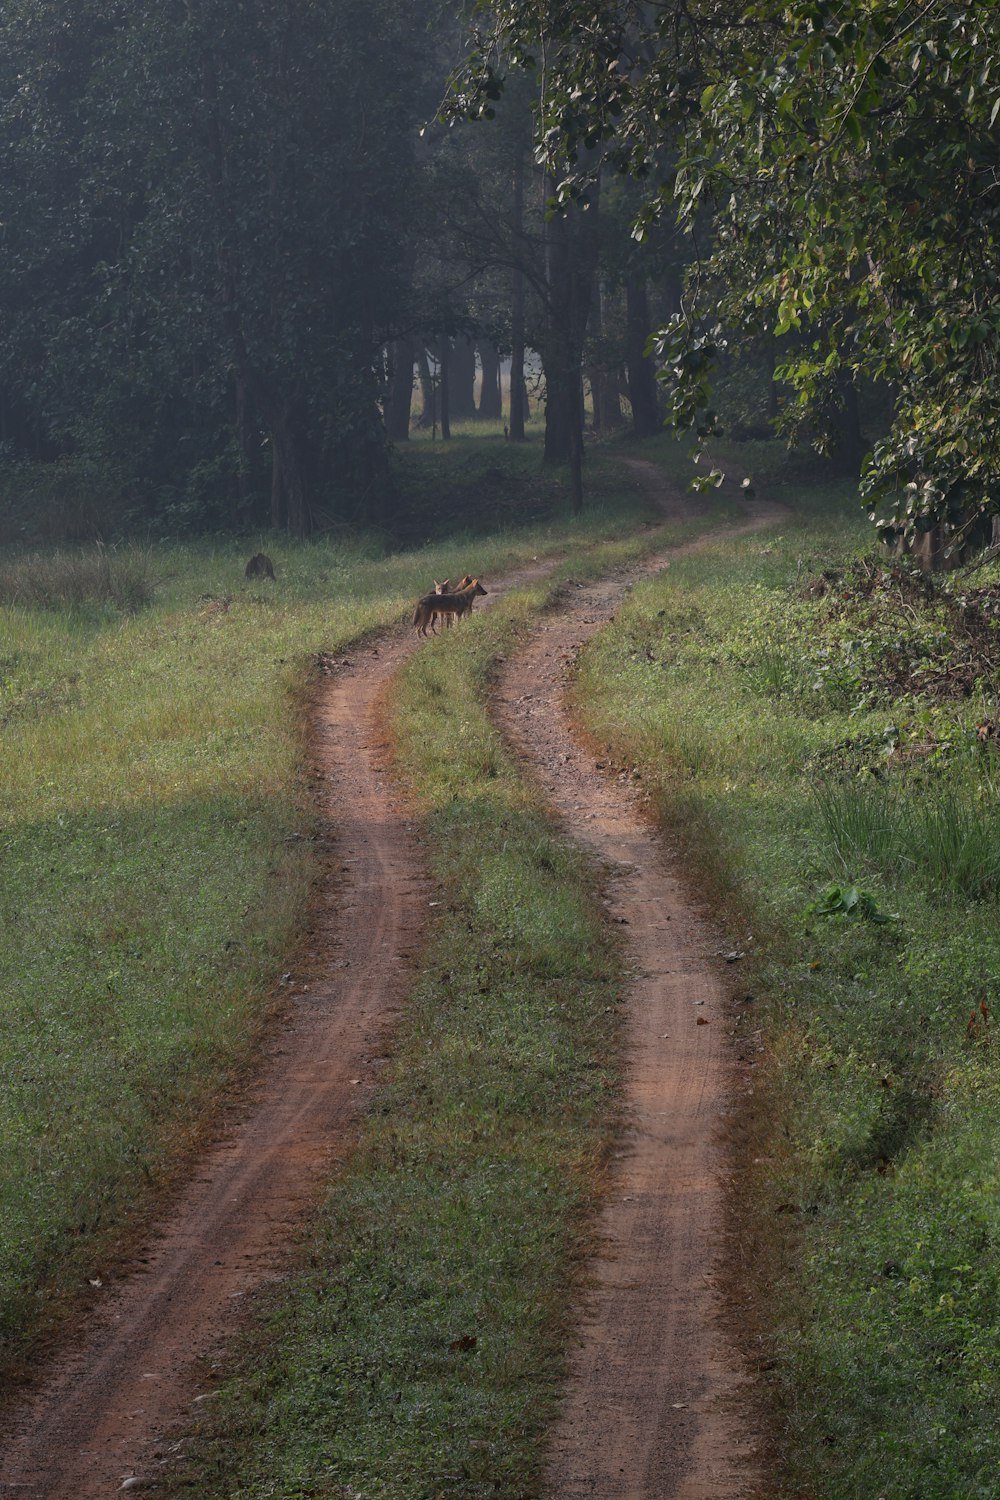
(772,384)
(426,418)
(642,389)
(576,445)
(462,379)
(289,490)
(571,259)
(244,445)
(444,387)
(605,393)
(853,442)
(518,391)
(399,398)
(490,401)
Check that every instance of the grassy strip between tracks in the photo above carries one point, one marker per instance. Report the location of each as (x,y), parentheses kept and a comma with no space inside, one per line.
(418,1351)
(819,734)
(155,858)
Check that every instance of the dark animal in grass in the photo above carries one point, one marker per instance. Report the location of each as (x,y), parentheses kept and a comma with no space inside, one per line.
(260,566)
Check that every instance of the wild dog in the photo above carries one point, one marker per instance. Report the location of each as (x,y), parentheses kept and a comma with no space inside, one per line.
(454,604)
(467,593)
(459,588)
(441,586)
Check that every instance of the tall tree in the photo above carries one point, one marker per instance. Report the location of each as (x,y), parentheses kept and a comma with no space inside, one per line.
(845,152)
(218,191)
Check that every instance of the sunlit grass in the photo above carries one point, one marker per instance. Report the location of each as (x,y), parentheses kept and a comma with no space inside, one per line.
(154,871)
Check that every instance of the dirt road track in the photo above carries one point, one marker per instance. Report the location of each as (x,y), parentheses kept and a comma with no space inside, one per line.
(653,1408)
(102,1414)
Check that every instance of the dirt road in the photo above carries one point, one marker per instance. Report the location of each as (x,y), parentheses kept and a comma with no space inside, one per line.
(101,1416)
(653,1409)
(648,1412)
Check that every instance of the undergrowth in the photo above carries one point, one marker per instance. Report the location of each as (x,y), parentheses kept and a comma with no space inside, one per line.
(818,737)
(89,577)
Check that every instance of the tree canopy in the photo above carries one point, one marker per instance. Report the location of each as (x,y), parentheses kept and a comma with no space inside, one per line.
(200,215)
(843,154)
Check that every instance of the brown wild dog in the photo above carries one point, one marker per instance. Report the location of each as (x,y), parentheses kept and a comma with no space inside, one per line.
(447,588)
(441,586)
(467,593)
(455,605)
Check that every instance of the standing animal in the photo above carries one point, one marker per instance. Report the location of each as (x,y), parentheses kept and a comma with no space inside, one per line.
(441,586)
(446,588)
(260,566)
(452,605)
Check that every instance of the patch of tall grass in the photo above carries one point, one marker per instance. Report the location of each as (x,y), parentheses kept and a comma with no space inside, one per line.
(89,577)
(946,837)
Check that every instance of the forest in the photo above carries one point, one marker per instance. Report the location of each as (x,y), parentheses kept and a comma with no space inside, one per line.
(234,232)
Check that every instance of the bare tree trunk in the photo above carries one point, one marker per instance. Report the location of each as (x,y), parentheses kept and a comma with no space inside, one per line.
(490,403)
(426,418)
(605,394)
(462,379)
(444,386)
(244,478)
(641,370)
(853,441)
(518,391)
(399,400)
(289,491)
(772,384)
(571,260)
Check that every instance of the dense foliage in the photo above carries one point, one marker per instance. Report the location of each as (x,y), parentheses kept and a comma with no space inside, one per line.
(844,153)
(201,205)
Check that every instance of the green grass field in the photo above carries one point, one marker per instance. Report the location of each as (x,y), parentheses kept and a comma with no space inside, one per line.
(152,813)
(806,719)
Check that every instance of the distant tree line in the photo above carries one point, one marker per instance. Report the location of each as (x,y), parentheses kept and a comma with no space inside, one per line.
(229,244)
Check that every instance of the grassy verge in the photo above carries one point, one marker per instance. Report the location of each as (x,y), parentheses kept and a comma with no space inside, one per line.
(156,859)
(807,721)
(418,1351)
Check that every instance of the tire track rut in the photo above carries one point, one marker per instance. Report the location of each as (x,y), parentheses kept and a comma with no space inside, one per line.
(653,1407)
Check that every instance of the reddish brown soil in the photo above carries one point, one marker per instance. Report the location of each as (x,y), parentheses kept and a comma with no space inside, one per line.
(101,1416)
(652,1407)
